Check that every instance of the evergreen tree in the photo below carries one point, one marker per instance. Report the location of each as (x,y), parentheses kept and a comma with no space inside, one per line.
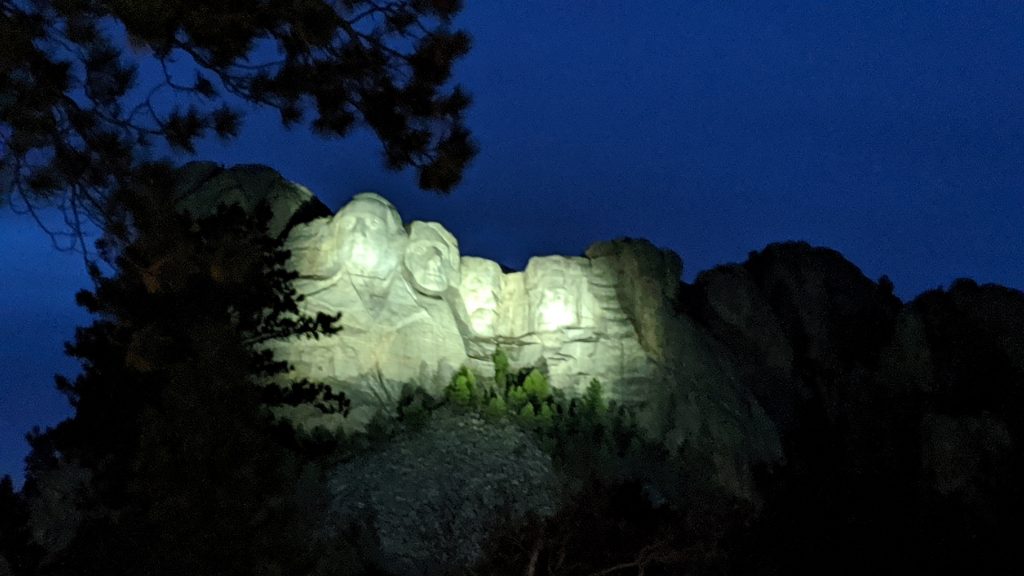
(527,414)
(496,408)
(501,370)
(536,387)
(517,397)
(463,390)
(18,552)
(75,123)
(593,401)
(186,470)
(545,416)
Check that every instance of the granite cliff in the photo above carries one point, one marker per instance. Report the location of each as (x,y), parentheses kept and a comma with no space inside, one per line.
(415,310)
(792,371)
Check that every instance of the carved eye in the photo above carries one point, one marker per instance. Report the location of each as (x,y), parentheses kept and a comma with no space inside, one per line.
(375,224)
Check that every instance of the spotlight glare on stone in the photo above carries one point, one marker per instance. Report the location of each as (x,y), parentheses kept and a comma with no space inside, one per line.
(555,312)
(365,257)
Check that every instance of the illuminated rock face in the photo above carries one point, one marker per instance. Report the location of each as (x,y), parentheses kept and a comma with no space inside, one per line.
(564,314)
(389,285)
(414,310)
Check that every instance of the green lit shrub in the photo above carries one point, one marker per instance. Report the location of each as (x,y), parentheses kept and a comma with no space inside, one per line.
(517,398)
(536,387)
(545,417)
(463,389)
(501,370)
(496,408)
(586,436)
(593,401)
(526,414)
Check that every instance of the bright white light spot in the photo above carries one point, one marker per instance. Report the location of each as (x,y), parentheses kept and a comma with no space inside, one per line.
(365,257)
(555,310)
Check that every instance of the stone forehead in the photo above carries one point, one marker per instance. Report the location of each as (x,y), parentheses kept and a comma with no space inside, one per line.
(436,234)
(481,268)
(372,202)
(562,268)
(431,232)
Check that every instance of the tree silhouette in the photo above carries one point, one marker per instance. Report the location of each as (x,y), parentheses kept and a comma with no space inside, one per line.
(173,462)
(75,123)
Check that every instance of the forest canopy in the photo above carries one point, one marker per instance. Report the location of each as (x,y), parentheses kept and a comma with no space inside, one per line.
(76,121)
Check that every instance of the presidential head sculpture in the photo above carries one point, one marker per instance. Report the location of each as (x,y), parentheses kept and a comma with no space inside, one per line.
(431,258)
(371,236)
(480,291)
(554,292)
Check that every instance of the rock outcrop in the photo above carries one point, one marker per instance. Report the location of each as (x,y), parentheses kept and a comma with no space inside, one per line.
(204,186)
(902,421)
(414,310)
(433,496)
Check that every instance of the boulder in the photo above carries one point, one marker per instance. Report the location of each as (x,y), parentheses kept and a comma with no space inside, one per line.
(433,496)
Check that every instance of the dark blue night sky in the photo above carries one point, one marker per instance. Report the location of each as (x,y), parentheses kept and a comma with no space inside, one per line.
(890,131)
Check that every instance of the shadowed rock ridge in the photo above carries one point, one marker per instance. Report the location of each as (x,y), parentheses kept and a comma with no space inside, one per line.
(901,419)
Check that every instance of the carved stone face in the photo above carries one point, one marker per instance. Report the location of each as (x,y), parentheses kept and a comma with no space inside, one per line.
(371,236)
(555,310)
(480,287)
(553,290)
(431,258)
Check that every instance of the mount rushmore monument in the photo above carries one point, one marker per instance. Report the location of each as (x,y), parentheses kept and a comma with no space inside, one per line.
(414,310)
